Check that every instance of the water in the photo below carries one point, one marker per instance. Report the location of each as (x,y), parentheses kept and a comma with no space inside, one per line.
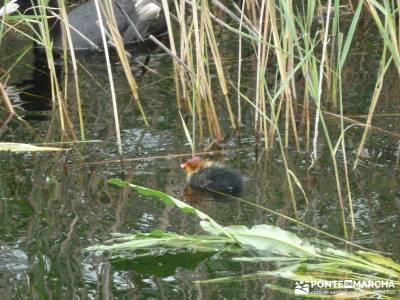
(54,205)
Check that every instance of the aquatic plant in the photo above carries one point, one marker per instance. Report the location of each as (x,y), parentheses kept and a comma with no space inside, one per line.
(295,258)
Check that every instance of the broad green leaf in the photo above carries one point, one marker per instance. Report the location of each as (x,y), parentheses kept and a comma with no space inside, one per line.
(159,239)
(273,239)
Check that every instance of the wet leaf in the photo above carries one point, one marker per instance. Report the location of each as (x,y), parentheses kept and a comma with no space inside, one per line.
(161,240)
(380,260)
(273,239)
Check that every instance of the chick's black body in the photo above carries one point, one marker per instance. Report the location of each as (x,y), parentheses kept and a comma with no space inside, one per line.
(217,178)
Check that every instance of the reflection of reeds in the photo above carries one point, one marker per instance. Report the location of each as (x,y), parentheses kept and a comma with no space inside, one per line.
(113,96)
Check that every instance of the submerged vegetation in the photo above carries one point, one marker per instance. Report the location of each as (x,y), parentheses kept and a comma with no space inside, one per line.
(275,72)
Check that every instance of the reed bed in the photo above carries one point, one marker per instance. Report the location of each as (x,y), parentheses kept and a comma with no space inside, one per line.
(309,43)
(299,50)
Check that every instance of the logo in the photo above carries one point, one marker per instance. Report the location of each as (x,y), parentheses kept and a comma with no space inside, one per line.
(347,286)
(302,288)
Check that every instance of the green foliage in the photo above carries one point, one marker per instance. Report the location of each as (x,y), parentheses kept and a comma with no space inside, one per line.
(272,239)
(163,241)
(207,222)
(295,258)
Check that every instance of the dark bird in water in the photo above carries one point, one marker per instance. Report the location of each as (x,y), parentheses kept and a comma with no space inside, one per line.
(136,21)
(209,175)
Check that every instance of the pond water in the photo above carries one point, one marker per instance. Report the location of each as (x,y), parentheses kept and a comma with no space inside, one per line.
(53,205)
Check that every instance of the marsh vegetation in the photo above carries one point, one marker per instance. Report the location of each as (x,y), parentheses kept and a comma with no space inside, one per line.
(301,96)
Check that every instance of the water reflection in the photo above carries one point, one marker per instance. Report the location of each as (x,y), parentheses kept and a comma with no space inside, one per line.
(35,91)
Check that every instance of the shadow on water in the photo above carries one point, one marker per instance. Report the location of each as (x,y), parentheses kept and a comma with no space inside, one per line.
(35,92)
(53,205)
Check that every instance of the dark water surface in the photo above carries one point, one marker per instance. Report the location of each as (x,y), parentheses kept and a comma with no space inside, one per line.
(54,205)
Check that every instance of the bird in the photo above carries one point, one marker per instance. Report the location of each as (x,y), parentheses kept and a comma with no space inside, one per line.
(136,20)
(213,176)
(9,7)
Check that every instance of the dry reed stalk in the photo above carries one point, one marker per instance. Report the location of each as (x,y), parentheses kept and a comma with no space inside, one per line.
(217,60)
(109,71)
(177,68)
(262,58)
(385,63)
(185,56)
(123,57)
(197,88)
(238,101)
(319,116)
(43,35)
(66,30)
(203,81)
(6,99)
(281,59)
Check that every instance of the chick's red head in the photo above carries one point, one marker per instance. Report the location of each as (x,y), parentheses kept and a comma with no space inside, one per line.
(192,164)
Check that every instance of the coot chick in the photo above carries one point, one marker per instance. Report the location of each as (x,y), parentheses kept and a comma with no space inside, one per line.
(209,175)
